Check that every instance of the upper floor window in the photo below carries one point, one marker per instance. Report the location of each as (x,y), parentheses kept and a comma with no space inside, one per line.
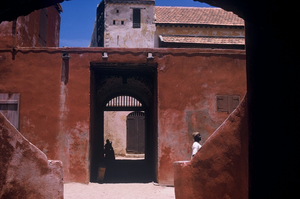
(136,18)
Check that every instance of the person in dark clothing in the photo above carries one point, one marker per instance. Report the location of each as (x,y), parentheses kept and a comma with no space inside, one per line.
(109,151)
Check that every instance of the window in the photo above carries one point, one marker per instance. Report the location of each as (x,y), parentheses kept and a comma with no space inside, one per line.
(117,11)
(136,17)
(122,22)
(43,27)
(9,107)
(227,103)
(114,22)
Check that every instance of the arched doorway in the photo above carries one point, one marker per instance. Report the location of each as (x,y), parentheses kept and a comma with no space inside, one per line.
(125,129)
(123,88)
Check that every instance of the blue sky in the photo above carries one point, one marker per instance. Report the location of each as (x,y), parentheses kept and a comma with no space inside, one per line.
(78,17)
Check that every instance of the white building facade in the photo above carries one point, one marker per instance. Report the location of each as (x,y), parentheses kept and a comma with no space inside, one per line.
(124,23)
(141,24)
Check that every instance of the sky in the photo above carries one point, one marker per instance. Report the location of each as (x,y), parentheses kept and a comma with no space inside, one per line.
(78,17)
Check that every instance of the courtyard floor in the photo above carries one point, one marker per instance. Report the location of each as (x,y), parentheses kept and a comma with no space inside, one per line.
(120,191)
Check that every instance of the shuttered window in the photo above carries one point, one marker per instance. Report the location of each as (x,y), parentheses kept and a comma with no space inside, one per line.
(227,103)
(136,17)
(235,101)
(222,103)
(9,107)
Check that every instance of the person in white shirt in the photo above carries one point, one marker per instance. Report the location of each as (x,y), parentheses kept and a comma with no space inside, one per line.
(196,145)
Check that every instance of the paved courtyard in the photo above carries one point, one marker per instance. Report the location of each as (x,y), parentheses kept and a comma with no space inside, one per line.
(119,191)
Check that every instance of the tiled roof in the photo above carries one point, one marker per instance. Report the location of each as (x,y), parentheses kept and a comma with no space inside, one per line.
(202,39)
(196,15)
(131,1)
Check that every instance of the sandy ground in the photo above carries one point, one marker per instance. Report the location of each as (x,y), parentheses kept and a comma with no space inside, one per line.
(117,191)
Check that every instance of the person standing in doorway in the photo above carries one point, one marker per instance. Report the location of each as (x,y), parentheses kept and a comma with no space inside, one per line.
(196,145)
(109,151)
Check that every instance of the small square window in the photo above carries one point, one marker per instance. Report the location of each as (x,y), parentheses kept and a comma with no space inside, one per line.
(114,22)
(122,22)
(117,11)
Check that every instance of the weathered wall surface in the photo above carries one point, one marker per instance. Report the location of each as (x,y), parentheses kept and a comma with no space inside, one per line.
(24,32)
(28,29)
(25,171)
(115,130)
(118,35)
(220,168)
(6,34)
(188,85)
(55,114)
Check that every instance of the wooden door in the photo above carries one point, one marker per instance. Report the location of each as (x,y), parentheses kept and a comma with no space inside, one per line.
(136,133)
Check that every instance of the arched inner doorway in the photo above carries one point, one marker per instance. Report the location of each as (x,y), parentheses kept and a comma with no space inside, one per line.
(125,129)
(118,88)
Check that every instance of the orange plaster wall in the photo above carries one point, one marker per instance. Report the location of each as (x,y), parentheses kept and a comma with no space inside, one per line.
(25,171)
(187,89)
(6,34)
(220,168)
(53,30)
(28,29)
(24,32)
(55,116)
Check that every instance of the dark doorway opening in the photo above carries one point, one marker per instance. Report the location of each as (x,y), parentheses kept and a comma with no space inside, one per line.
(111,87)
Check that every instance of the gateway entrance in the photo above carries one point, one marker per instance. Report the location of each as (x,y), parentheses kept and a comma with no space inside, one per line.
(118,89)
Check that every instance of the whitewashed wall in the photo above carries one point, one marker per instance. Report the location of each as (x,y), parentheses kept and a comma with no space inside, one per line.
(125,36)
(115,130)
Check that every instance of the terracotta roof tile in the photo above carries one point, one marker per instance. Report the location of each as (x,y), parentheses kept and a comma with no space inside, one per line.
(131,1)
(202,40)
(196,15)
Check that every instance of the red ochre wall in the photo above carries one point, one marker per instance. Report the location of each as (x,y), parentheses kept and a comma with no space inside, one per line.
(24,32)
(25,171)
(187,89)
(55,116)
(220,167)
